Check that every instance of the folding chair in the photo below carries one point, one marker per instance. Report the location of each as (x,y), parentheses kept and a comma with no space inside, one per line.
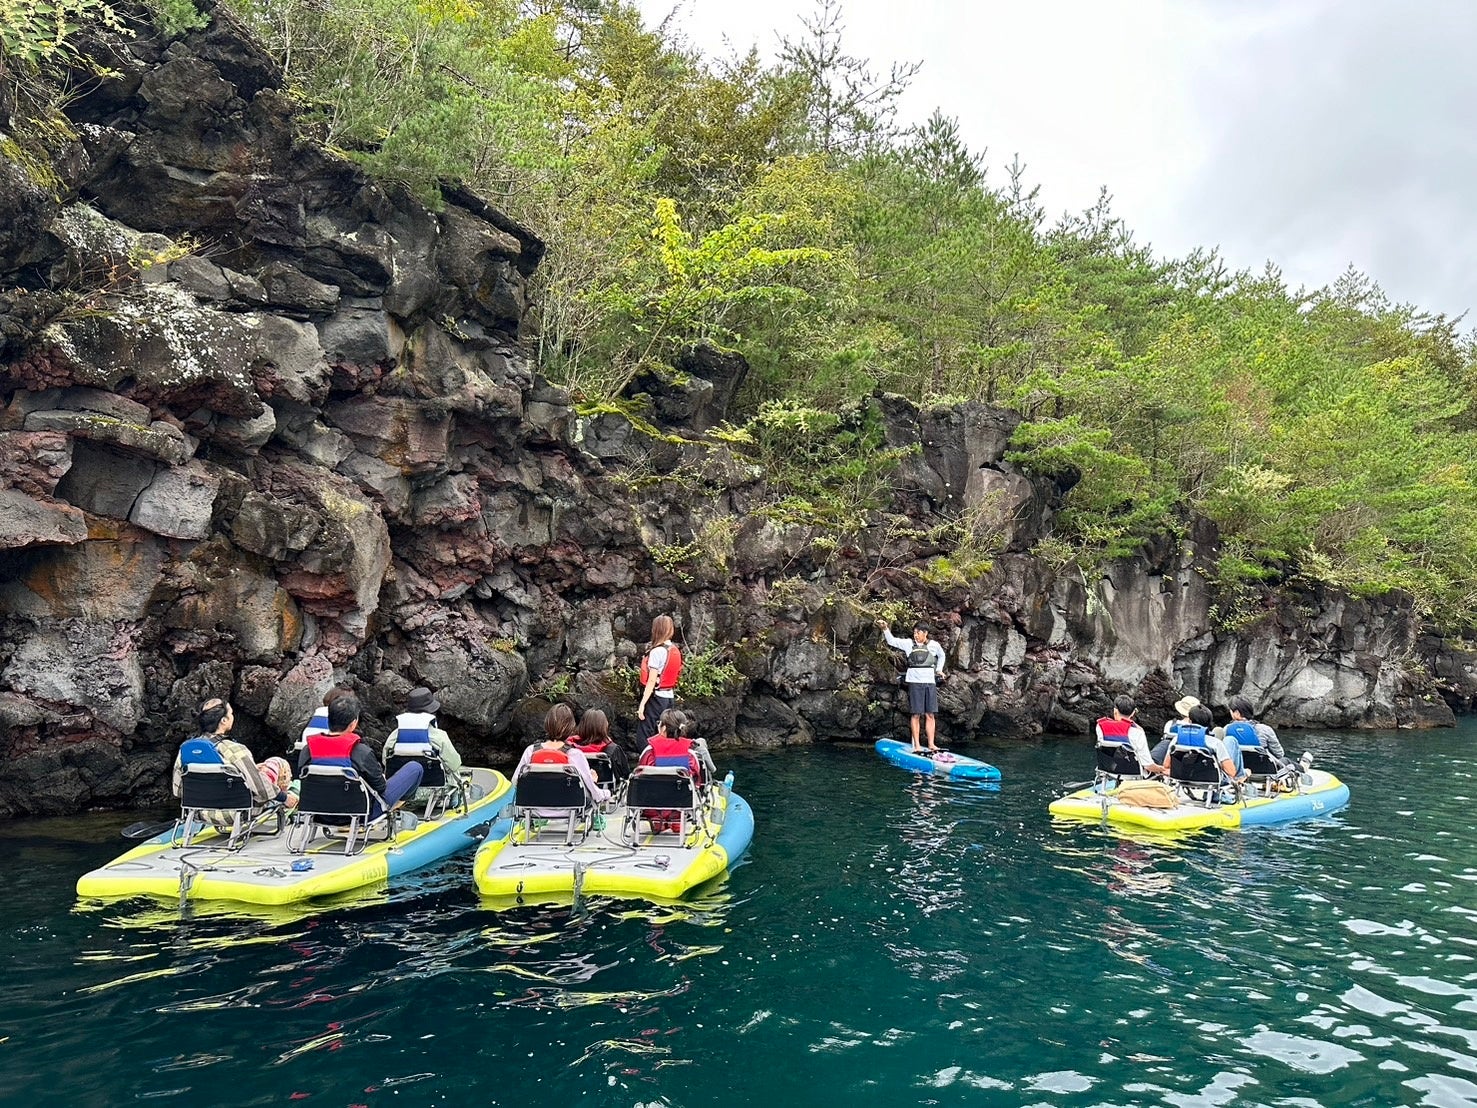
(447,791)
(666,797)
(336,799)
(210,787)
(552,792)
(1193,766)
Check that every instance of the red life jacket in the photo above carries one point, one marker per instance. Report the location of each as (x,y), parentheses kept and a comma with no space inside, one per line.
(332,750)
(590,748)
(1114,730)
(671,670)
(664,751)
(546,757)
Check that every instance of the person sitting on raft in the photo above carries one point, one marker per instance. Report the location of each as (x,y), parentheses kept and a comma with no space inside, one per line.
(1122,727)
(1182,707)
(593,737)
(669,748)
(343,743)
(214,720)
(1241,712)
(558,747)
(419,718)
(1227,755)
(318,725)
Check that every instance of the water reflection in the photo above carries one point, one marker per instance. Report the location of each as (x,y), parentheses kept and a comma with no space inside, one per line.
(894,940)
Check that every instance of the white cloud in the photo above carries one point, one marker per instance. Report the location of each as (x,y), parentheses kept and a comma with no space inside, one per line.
(1306,132)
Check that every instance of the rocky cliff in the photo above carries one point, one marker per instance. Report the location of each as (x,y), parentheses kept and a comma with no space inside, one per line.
(267,426)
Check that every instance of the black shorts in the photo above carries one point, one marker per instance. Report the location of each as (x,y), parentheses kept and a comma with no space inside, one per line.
(923,700)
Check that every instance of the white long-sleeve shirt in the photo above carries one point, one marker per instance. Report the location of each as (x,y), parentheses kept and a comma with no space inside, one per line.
(919,675)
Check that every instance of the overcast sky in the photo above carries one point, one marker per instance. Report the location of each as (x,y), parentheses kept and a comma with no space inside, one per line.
(1311,133)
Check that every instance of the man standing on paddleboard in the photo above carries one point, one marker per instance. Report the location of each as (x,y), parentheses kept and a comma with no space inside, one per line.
(925,666)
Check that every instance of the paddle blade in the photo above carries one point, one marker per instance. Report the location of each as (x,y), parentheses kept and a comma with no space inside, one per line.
(146,829)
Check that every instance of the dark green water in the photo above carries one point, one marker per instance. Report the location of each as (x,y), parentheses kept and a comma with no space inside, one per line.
(891,941)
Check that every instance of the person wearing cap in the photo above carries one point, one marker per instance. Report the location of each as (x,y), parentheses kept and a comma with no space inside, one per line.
(925,667)
(421,707)
(1182,708)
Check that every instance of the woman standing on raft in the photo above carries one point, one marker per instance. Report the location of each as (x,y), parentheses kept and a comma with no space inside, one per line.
(661,666)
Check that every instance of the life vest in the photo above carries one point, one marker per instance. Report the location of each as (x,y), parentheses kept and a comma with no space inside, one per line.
(332,750)
(546,757)
(1191,736)
(1114,730)
(671,669)
(920,657)
(318,725)
(200,751)
(413,732)
(665,751)
(1245,734)
(591,748)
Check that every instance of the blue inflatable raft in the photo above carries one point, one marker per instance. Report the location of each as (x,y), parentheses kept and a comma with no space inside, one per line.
(945,763)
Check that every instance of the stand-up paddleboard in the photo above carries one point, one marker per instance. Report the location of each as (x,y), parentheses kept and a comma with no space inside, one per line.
(945,763)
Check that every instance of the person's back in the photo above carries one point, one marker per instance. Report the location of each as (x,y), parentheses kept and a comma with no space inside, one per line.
(672,751)
(418,733)
(593,739)
(558,748)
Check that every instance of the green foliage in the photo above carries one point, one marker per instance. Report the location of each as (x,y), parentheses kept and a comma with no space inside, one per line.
(708,673)
(177,17)
(776,210)
(36,32)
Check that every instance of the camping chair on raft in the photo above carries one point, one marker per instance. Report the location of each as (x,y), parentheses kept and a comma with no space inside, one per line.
(447,790)
(1262,767)
(667,798)
(549,792)
(336,800)
(1116,762)
(1193,768)
(214,792)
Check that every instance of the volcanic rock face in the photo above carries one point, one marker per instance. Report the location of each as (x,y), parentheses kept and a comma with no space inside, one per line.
(267,427)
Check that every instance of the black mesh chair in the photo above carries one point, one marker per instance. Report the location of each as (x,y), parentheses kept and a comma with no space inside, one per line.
(447,790)
(336,799)
(1117,762)
(666,798)
(604,771)
(216,793)
(1195,770)
(552,793)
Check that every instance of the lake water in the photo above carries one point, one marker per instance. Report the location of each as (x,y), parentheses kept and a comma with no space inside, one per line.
(890,940)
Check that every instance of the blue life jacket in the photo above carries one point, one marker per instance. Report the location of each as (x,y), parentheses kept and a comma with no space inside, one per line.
(1244,732)
(1191,736)
(199,751)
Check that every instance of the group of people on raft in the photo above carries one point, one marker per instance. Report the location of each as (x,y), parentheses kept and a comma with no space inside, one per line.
(332,738)
(1124,747)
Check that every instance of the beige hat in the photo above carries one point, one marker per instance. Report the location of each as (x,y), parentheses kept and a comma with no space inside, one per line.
(1183,705)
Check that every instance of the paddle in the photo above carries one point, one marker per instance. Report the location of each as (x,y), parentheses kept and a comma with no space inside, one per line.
(146,829)
(480,831)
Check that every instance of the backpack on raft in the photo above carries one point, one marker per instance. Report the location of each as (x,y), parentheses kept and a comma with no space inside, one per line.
(1144,794)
